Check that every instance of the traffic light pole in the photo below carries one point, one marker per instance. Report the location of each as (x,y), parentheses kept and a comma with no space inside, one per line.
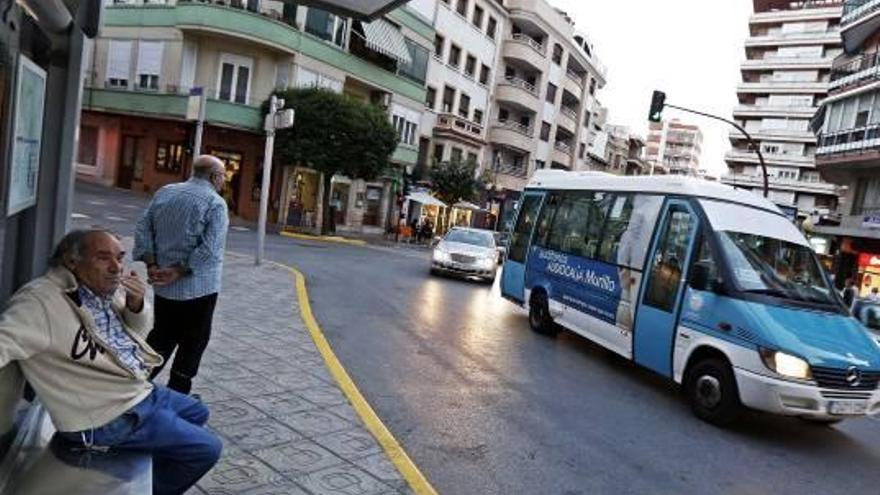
(740,129)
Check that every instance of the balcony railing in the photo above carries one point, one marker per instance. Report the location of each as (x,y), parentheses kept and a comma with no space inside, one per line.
(571,112)
(521,83)
(856,140)
(456,123)
(574,76)
(513,169)
(779,35)
(563,147)
(528,40)
(257,8)
(856,9)
(855,71)
(525,130)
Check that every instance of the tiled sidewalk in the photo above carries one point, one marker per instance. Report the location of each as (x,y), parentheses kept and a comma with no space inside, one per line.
(286,427)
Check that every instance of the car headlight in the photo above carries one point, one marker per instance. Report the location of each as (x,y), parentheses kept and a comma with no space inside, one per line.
(487,262)
(440,254)
(786,364)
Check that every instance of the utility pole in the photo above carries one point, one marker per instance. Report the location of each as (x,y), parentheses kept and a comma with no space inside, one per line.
(658,102)
(274,120)
(200,122)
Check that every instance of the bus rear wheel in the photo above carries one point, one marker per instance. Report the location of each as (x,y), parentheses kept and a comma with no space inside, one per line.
(539,315)
(712,392)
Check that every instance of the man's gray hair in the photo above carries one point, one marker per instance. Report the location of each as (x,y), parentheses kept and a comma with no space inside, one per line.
(71,247)
(205,165)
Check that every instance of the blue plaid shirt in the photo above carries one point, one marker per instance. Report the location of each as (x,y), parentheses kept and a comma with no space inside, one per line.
(185,224)
(111,332)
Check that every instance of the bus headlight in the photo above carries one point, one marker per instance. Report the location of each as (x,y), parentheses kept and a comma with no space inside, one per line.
(786,364)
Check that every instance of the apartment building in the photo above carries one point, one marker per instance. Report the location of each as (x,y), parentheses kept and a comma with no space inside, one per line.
(789,53)
(848,153)
(461,75)
(675,146)
(137,126)
(625,152)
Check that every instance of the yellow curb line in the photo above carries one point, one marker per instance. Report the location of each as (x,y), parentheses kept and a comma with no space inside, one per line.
(324,238)
(417,481)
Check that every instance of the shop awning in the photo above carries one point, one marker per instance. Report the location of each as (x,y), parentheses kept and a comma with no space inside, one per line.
(425,199)
(383,37)
(466,205)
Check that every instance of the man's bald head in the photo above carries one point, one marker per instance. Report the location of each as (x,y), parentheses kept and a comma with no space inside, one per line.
(211,169)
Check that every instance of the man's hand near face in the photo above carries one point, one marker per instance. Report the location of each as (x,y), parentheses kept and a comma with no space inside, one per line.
(135,289)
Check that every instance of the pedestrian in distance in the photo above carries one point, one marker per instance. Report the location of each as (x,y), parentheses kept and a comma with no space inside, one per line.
(874,296)
(77,335)
(849,293)
(181,237)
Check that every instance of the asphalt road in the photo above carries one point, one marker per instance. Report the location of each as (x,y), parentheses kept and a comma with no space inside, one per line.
(484,406)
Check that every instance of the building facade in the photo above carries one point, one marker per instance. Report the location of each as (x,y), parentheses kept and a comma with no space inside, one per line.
(848,130)
(789,53)
(675,146)
(137,126)
(625,152)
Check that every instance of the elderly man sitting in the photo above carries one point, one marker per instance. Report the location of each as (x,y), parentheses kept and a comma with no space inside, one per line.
(77,334)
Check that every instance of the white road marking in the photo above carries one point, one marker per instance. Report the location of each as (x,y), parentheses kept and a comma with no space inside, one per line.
(131,207)
(240,229)
(77,216)
(116,219)
(96,202)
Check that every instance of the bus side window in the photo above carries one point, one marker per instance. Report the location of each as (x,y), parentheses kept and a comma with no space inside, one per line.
(547,214)
(669,258)
(528,213)
(706,257)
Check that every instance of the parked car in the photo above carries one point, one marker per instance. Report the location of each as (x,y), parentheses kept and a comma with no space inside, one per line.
(466,252)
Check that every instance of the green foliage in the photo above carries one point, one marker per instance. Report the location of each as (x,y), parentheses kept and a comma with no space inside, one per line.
(336,134)
(455,181)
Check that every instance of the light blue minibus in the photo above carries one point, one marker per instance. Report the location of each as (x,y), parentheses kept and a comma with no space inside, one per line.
(707,285)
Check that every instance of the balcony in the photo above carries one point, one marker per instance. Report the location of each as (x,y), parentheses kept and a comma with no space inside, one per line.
(757,182)
(861,18)
(775,62)
(526,50)
(791,160)
(790,135)
(778,38)
(518,93)
(512,135)
(782,87)
(852,142)
(574,83)
(562,153)
(741,111)
(851,73)
(452,126)
(567,118)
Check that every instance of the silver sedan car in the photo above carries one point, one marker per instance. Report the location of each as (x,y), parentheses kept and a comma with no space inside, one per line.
(466,252)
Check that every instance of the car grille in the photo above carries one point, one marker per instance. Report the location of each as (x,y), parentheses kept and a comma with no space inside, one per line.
(462,258)
(836,378)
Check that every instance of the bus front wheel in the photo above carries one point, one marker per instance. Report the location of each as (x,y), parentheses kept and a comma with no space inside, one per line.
(712,392)
(539,315)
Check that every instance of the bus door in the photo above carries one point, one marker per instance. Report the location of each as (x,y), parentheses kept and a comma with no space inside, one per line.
(513,274)
(662,287)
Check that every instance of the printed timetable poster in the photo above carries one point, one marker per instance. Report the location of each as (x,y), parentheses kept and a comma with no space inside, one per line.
(30,98)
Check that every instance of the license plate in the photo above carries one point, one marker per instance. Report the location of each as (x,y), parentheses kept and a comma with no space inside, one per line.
(848,407)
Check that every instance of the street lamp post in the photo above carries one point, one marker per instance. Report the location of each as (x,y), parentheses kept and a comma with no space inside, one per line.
(274,120)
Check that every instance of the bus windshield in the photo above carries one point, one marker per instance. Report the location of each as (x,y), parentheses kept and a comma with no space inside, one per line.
(765,265)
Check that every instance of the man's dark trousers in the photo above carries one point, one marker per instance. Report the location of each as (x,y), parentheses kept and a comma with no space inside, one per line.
(185,326)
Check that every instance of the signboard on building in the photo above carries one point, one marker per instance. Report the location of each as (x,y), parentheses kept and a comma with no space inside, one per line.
(24,173)
(871,220)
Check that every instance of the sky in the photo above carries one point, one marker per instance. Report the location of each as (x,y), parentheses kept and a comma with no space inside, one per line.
(691,49)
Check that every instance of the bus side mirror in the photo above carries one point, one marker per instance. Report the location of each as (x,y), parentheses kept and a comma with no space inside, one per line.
(699,277)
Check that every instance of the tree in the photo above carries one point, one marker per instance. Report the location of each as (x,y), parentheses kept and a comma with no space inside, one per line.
(335,134)
(455,181)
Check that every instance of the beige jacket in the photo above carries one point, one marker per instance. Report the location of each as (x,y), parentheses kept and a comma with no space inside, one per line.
(80,381)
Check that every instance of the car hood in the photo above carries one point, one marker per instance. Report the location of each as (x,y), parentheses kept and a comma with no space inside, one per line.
(468,249)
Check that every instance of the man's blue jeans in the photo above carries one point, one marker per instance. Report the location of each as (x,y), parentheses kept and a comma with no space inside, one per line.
(169,426)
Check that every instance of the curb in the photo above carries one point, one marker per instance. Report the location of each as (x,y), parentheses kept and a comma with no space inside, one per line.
(324,238)
(407,468)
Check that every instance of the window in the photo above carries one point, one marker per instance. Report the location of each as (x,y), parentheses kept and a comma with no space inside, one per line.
(170,157)
(522,232)
(540,164)
(417,69)
(706,258)
(470,66)
(454,56)
(616,223)
(478,116)
(547,213)
(406,130)
(491,27)
(484,74)
(577,226)
(235,78)
(149,64)
(557,54)
(581,150)
(592,86)
(551,92)
(462,7)
(545,131)
(472,158)
(456,154)
(478,16)
(464,105)
(503,114)
(448,99)
(669,259)
(587,116)
(326,26)
(430,97)
(119,64)
(438,153)
(87,154)
(438,45)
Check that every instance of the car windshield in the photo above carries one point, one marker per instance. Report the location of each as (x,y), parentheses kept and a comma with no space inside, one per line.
(764,265)
(470,237)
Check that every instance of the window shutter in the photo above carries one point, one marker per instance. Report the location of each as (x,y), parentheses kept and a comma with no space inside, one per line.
(150,57)
(119,60)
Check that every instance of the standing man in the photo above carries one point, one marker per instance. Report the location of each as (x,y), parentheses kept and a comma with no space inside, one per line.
(849,293)
(181,238)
